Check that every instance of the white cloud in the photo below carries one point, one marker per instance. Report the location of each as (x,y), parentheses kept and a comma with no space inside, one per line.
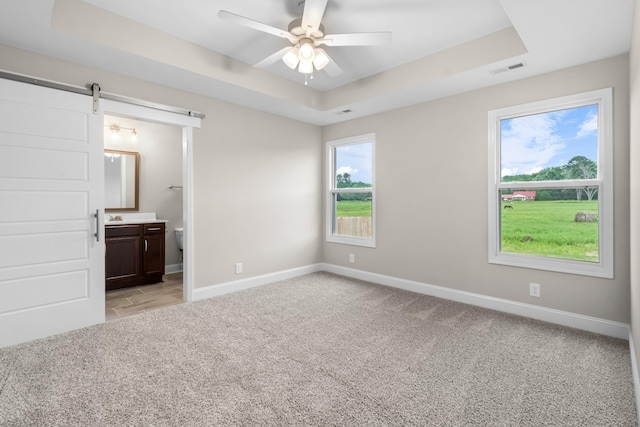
(588,126)
(508,172)
(530,142)
(346,169)
(535,169)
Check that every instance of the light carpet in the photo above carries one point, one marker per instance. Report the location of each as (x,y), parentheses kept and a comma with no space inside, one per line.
(319,350)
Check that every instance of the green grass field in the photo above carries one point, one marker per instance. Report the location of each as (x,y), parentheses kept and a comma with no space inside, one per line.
(549,229)
(354,208)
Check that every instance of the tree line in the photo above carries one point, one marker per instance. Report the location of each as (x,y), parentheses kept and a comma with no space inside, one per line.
(343,180)
(579,167)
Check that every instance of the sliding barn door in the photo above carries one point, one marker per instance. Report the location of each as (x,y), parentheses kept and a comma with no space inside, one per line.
(51,186)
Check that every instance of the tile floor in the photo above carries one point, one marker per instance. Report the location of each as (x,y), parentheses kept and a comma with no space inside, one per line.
(136,299)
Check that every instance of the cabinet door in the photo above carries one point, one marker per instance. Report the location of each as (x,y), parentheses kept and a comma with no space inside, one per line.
(123,264)
(122,260)
(154,254)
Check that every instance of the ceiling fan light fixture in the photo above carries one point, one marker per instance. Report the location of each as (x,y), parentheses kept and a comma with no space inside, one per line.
(305,67)
(321,59)
(306,51)
(291,58)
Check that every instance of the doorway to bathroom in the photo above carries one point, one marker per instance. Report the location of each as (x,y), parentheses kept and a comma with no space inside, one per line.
(143,178)
(164,142)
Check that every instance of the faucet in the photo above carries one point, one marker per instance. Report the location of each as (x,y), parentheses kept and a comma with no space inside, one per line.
(115,218)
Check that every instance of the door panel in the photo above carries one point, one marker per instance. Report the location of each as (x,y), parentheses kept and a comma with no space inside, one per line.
(51,186)
(40,248)
(53,122)
(40,291)
(38,163)
(42,206)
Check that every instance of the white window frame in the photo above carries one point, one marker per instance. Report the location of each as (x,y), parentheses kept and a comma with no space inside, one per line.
(604,181)
(332,190)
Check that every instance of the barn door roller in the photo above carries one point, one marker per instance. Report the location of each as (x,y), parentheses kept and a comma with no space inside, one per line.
(95,91)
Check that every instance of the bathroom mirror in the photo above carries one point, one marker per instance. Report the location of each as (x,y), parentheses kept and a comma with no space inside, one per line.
(121,180)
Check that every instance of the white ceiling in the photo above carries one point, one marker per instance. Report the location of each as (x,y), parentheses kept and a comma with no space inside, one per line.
(438,48)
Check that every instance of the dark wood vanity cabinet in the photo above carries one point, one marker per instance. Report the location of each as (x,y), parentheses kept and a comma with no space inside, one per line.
(134,254)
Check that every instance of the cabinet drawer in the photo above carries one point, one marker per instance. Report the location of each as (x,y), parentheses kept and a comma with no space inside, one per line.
(123,230)
(154,228)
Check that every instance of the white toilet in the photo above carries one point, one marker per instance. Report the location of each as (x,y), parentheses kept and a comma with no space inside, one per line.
(179,234)
(179,240)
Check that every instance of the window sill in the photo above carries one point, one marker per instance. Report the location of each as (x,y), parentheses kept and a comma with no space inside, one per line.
(583,268)
(353,241)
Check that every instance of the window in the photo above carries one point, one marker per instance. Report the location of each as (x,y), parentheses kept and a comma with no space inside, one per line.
(551,185)
(351,191)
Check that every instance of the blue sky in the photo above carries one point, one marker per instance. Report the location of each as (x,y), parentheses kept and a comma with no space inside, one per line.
(355,159)
(532,143)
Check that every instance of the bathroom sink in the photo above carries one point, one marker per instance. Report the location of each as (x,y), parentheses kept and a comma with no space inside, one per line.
(117,218)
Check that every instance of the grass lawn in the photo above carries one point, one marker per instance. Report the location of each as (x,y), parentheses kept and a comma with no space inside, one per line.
(353,208)
(549,229)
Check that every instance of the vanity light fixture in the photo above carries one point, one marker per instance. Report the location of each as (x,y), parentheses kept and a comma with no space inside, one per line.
(115,131)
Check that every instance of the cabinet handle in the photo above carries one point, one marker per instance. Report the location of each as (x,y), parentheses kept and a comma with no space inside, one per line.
(145,245)
(153,229)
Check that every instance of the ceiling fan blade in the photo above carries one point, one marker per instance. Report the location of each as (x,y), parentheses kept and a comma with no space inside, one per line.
(332,69)
(272,59)
(312,15)
(356,39)
(250,23)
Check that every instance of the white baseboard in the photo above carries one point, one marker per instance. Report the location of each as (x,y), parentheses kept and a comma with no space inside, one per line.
(635,374)
(252,282)
(578,321)
(172,268)
(573,320)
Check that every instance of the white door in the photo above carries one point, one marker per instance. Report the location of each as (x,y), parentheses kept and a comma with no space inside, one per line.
(51,186)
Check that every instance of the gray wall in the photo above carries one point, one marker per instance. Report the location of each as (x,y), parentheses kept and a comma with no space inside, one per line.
(432,195)
(257,194)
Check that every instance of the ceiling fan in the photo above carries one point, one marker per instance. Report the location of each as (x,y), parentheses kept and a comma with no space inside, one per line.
(306,35)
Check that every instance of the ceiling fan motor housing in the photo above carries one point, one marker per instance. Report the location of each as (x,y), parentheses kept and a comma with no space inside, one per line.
(296,29)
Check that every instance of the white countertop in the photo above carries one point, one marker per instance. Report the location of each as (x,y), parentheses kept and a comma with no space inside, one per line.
(136,221)
(132,218)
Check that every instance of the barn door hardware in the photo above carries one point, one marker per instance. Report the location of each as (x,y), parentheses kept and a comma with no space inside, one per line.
(95,91)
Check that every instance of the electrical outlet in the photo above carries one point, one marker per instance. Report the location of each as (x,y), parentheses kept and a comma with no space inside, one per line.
(534,290)
(352,258)
(238,267)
